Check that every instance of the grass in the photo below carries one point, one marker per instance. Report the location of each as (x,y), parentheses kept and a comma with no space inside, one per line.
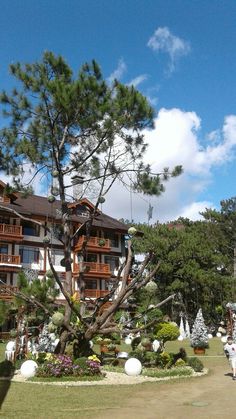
(39,402)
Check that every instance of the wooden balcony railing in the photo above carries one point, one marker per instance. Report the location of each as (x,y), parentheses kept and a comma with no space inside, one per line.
(9,259)
(97,244)
(93,293)
(93,269)
(5,199)
(6,292)
(12,232)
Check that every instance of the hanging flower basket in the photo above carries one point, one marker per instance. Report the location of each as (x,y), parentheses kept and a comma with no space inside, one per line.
(46,240)
(102,242)
(51,199)
(55,173)
(55,191)
(101,200)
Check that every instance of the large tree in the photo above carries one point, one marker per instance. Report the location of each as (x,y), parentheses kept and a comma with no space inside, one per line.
(194,264)
(81,131)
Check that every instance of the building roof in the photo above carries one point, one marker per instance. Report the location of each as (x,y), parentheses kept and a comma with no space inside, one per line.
(38,206)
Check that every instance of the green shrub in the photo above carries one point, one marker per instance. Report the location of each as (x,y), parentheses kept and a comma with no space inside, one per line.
(180,363)
(139,354)
(81,362)
(163,360)
(150,358)
(167,331)
(6,369)
(195,363)
(175,372)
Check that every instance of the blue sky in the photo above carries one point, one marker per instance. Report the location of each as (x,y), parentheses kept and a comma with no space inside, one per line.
(180,53)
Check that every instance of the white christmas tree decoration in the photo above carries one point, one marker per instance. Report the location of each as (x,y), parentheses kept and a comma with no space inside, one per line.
(181,328)
(199,337)
(187,329)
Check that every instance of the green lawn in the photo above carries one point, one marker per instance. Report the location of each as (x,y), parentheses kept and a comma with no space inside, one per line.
(24,400)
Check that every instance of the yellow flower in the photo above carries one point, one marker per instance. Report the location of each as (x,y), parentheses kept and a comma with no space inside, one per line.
(94,358)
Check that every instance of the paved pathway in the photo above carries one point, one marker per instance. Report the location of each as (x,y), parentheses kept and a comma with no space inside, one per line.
(212,396)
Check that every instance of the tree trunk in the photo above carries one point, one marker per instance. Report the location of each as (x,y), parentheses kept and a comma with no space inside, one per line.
(81,348)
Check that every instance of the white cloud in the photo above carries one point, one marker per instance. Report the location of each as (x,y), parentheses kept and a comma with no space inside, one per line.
(164,41)
(138,80)
(176,140)
(118,72)
(192,211)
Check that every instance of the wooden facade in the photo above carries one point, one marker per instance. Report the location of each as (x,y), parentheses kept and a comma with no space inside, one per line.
(22,245)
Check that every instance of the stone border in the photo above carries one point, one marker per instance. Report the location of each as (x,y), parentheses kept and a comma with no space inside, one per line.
(112,378)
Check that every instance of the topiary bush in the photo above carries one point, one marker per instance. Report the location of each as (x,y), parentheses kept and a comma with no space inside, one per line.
(166,332)
(163,360)
(180,363)
(195,363)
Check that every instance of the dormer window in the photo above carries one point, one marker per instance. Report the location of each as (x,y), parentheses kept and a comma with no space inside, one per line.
(82,211)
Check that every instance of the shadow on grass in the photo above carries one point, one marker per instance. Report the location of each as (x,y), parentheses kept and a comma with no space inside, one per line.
(6,373)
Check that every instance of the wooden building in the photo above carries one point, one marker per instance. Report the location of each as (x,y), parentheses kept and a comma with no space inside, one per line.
(22,242)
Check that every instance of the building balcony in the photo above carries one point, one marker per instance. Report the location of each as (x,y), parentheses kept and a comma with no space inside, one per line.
(11,233)
(9,259)
(6,292)
(95,244)
(5,199)
(93,269)
(9,262)
(93,293)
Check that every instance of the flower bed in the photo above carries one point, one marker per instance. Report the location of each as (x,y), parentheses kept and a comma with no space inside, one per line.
(63,366)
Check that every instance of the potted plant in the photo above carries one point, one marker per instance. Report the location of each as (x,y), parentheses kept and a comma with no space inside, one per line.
(101,242)
(199,337)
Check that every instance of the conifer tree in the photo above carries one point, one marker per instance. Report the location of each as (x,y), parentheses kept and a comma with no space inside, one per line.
(81,128)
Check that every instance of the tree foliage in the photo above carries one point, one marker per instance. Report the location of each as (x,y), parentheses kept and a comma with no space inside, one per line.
(82,129)
(193,263)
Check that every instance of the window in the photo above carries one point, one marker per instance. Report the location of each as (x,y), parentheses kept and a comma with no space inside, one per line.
(82,211)
(113,237)
(91,257)
(3,278)
(57,256)
(30,229)
(29,254)
(113,262)
(4,220)
(91,284)
(3,249)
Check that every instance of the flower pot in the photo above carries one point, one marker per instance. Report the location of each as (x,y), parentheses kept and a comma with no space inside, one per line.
(103,348)
(199,351)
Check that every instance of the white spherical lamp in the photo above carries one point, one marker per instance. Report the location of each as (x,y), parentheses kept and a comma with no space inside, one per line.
(128,341)
(218,334)
(28,369)
(133,367)
(210,336)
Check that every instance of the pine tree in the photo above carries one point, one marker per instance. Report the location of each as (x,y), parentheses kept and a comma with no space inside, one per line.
(199,336)
(79,127)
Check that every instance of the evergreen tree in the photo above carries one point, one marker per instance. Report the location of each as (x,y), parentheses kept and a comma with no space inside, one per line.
(193,263)
(86,130)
